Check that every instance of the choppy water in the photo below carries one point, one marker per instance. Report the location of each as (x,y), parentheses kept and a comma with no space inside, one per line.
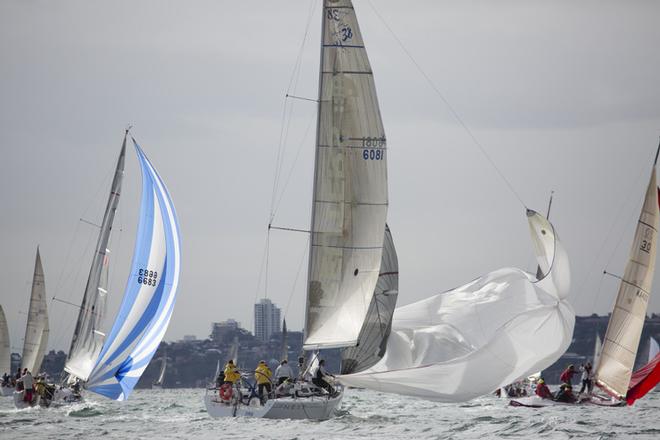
(170,414)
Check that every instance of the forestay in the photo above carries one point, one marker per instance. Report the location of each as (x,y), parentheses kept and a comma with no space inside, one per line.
(88,335)
(36,331)
(625,325)
(372,340)
(5,350)
(469,341)
(350,186)
(149,296)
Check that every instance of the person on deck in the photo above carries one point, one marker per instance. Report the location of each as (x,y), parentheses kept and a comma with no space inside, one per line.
(28,383)
(587,378)
(567,375)
(542,390)
(283,372)
(318,378)
(263,374)
(565,394)
(231,373)
(5,380)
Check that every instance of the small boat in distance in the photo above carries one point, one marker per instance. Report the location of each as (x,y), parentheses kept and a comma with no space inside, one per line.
(158,384)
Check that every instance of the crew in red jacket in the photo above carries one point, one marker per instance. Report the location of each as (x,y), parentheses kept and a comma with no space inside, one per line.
(543,391)
(567,375)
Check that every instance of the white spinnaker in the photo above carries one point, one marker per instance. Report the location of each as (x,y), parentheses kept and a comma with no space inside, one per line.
(598,348)
(89,334)
(5,350)
(349,205)
(36,331)
(469,341)
(654,349)
(624,329)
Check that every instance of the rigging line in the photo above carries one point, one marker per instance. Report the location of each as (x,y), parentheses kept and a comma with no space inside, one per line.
(285,125)
(295,281)
(261,271)
(450,107)
(279,228)
(293,166)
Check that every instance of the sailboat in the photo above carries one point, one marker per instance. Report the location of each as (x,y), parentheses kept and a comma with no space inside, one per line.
(5,355)
(624,329)
(614,361)
(111,363)
(161,376)
(349,210)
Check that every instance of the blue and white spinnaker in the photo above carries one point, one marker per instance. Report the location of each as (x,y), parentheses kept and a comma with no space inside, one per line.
(149,296)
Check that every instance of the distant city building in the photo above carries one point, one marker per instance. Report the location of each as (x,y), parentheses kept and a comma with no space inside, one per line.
(189,338)
(220,329)
(266,319)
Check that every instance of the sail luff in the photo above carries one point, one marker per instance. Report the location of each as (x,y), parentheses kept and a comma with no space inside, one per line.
(627,320)
(88,338)
(36,330)
(5,350)
(350,198)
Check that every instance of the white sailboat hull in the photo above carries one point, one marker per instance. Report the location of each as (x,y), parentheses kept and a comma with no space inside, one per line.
(313,407)
(538,402)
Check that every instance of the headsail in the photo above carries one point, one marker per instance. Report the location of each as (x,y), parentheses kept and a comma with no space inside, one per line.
(466,342)
(349,205)
(150,292)
(378,324)
(5,350)
(88,334)
(625,325)
(36,331)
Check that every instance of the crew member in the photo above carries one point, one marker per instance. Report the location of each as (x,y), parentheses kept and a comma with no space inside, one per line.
(542,390)
(567,375)
(318,378)
(587,381)
(28,383)
(263,374)
(565,394)
(283,372)
(231,373)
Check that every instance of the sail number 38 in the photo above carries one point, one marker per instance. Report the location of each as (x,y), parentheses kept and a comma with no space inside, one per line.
(147,277)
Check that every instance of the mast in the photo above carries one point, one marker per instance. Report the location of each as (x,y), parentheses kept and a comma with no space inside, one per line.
(87,339)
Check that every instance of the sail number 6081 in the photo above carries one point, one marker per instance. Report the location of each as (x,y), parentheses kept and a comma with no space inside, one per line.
(376,154)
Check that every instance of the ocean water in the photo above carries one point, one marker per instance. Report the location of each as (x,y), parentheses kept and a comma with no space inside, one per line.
(180,414)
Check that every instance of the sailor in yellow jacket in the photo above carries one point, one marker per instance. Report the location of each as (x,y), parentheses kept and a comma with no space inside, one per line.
(263,375)
(231,373)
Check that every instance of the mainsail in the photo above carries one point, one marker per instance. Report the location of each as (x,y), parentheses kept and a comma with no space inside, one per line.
(372,340)
(5,350)
(349,206)
(150,292)
(466,342)
(88,336)
(36,331)
(625,325)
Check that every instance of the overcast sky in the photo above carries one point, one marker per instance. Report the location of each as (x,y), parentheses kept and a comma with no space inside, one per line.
(563,96)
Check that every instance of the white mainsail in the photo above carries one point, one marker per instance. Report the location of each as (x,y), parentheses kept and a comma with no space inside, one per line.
(627,320)
(88,335)
(350,200)
(377,326)
(469,341)
(5,350)
(36,331)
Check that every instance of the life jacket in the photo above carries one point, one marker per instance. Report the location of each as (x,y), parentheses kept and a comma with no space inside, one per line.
(231,373)
(566,375)
(263,374)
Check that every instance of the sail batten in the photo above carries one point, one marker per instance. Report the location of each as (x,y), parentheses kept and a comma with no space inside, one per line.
(87,339)
(625,325)
(36,331)
(349,203)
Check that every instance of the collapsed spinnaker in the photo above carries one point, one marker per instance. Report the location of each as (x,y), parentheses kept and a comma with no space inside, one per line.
(466,342)
(149,296)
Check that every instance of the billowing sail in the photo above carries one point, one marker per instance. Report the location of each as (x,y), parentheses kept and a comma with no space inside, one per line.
(466,342)
(5,350)
(598,348)
(149,296)
(36,331)
(88,334)
(625,325)
(654,349)
(349,206)
(378,324)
